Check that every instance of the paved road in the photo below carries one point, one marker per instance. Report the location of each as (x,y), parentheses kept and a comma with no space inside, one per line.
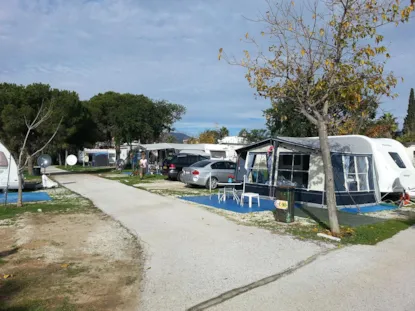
(192,255)
(358,278)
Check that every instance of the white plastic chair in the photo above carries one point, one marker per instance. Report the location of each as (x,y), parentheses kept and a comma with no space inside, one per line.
(249,195)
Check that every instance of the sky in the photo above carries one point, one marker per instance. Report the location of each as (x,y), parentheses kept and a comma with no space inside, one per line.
(164,49)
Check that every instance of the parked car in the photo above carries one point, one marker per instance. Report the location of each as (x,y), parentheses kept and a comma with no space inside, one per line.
(200,172)
(165,165)
(174,169)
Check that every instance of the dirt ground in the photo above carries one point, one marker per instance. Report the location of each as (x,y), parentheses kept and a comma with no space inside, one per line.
(75,261)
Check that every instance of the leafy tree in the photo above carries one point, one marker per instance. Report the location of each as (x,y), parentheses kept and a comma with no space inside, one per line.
(409,122)
(76,130)
(12,98)
(282,119)
(164,116)
(408,138)
(129,117)
(223,132)
(384,127)
(354,118)
(323,53)
(171,139)
(193,140)
(208,137)
(168,138)
(258,135)
(254,135)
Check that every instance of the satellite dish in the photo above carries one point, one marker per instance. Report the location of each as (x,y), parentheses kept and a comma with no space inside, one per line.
(407,180)
(71,160)
(44,161)
(120,164)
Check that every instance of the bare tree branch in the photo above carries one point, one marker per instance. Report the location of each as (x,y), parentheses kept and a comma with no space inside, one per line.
(46,144)
(43,114)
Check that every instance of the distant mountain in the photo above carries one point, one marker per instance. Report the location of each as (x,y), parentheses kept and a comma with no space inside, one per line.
(179,137)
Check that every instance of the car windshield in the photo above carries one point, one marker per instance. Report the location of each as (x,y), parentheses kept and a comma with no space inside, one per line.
(178,159)
(200,164)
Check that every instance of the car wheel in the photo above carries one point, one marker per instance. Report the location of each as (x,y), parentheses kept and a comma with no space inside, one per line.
(179,176)
(214,183)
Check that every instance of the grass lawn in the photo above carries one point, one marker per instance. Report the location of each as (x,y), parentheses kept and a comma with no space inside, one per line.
(11,211)
(31,179)
(181,193)
(86,169)
(366,234)
(373,234)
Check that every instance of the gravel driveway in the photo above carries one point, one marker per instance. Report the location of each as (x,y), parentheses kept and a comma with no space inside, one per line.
(192,255)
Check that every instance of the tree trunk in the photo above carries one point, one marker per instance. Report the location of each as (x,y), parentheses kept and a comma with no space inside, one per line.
(59,158)
(66,155)
(329,179)
(30,165)
(117,151)
(20,191)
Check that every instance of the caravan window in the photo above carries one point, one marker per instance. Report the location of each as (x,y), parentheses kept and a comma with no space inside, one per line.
(258,168)
(294,167)
(3,160)
(217,154)
(397,159)
(356,173)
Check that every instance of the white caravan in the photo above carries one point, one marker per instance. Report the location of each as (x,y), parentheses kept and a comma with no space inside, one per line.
(8,170)
(410,150)
(390,158)
(215,151)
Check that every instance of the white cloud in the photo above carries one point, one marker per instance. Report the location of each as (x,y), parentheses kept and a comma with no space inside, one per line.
(163,49)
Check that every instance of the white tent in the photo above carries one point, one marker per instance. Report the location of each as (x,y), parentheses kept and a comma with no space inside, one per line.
(9,176)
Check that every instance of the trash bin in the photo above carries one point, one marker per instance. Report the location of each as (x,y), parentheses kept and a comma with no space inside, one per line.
(284,204)
(36,171)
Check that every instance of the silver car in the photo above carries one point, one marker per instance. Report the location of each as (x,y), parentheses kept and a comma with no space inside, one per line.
(200,172)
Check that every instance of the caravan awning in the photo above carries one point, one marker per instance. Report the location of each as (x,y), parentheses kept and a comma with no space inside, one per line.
(180,147)
(289,142)
(310,143)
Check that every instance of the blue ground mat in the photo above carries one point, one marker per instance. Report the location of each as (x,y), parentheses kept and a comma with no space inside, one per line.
(268,205)
(231,205)
(318,214)
(368,209)
(27,197)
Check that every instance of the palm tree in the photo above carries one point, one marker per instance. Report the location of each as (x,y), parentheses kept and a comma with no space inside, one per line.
(223,132)
(386,126)
(390,120)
